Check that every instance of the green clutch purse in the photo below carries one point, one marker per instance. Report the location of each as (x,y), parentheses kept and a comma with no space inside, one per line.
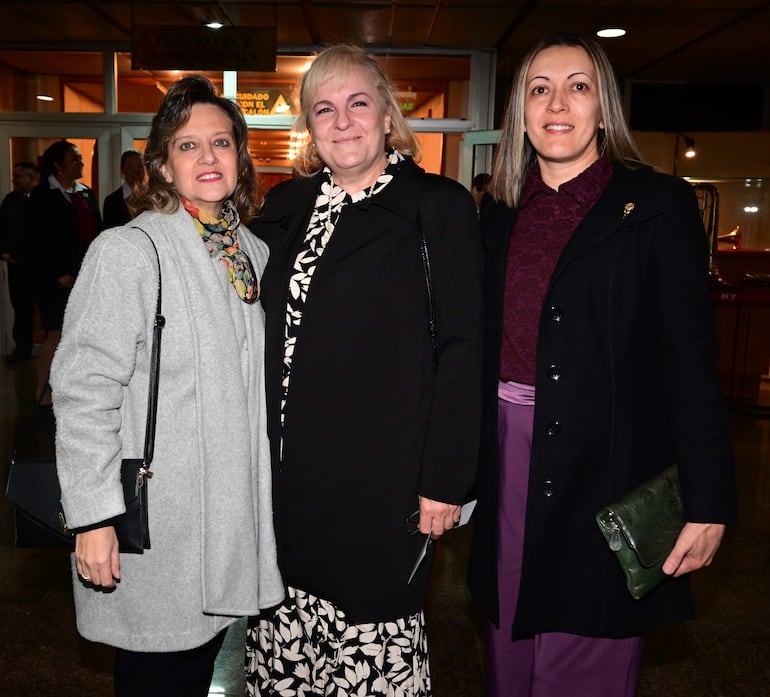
(642,528)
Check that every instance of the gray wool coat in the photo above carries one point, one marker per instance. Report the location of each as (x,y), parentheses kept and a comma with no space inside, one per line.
(213,554)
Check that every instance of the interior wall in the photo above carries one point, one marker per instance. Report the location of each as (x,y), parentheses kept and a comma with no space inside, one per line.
(720,154)
(432,143)
(77,102)
(736,162)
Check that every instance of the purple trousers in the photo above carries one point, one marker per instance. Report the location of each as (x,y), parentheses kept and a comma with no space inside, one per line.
(552,664)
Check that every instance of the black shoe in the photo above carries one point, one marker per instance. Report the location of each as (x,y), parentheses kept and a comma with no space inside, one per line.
(16,357)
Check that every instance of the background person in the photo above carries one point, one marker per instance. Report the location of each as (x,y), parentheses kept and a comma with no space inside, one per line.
(67,220)
(116,211)
(213,548)
(600,372)
(365,429)
(15,216)
(479,187)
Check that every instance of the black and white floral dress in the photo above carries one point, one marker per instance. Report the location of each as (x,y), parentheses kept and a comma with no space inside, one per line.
(307,646)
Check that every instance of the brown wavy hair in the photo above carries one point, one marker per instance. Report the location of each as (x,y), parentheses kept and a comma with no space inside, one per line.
(174,112)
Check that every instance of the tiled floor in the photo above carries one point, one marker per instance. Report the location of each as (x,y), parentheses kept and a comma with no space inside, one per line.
(725,652)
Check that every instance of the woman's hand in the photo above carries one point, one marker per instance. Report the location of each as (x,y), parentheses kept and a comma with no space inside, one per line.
(436,517)
(97,557)
(695,548)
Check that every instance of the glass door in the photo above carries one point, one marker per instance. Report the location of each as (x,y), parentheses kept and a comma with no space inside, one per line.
(478,149)
(98,144)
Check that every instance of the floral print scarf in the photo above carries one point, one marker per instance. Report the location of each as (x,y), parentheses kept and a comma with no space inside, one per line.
(221,240)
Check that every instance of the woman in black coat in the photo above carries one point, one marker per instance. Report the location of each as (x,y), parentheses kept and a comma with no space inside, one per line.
(600,372)
(374,431)
(67,219)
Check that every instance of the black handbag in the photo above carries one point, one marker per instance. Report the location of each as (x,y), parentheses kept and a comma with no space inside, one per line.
(33,486)
(642,529)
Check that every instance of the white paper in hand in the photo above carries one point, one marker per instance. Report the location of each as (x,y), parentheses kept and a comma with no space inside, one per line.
(465,515)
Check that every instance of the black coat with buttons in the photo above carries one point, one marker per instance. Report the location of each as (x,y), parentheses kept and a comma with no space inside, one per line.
(626,384)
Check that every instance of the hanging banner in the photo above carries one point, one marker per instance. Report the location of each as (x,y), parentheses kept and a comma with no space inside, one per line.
(199,48)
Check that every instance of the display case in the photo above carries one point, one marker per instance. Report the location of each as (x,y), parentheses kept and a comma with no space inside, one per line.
(735,215)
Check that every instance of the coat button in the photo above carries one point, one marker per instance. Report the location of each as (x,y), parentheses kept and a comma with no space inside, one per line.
(556,313)
(553,428)
(554,372)
(549,488)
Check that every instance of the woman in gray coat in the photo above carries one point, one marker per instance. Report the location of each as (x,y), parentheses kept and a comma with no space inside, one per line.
(213,555)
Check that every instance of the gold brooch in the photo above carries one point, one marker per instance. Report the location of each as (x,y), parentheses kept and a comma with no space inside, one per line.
(627,209)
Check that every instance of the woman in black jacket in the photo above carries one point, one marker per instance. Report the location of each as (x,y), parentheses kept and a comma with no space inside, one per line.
(67,219)
(600,372)
(374,431)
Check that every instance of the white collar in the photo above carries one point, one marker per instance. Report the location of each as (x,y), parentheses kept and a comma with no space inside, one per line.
(54,183)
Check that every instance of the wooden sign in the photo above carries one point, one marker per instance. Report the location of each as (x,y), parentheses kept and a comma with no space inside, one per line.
(199,48)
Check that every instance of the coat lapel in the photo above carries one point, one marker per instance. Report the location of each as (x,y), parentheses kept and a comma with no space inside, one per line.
(614,211)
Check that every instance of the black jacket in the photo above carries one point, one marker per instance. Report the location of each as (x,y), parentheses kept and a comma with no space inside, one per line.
(15,215)
(626,384)
(115,209)
(370,423)
(56,230)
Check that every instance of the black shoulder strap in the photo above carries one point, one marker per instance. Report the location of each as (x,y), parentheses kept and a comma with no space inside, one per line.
(152,399)
(432,319)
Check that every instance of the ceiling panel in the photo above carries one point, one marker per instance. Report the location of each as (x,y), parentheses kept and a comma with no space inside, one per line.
(291,27)
(676,40)
(483,29)
(368,24)
(695,40)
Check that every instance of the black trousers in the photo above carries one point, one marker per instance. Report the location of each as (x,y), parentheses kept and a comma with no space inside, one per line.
(172,674)
(21,291)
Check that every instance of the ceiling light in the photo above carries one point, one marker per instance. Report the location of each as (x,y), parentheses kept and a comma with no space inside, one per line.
(214,24)
(689,146)
(44,97)
(611,33)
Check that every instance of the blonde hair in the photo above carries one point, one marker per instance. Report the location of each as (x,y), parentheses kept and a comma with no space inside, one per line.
(337,62)
(515,155)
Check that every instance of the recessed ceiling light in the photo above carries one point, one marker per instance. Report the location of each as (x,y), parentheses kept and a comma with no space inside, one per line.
(214,24)
(611,33)
(45,97)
